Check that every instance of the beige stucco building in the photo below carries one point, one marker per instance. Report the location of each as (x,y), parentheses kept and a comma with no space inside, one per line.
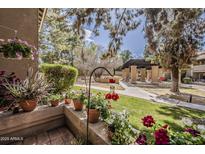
(140,70)
(24,24)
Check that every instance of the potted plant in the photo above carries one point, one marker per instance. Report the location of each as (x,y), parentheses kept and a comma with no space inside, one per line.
(28,92)
(68,97)
(78,100)
(55,99)
(98,106)
(119,130)
(17,48)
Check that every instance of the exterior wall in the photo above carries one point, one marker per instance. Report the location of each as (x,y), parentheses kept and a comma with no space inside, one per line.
(19,67)
(25,21)
(155,73)
(127,74)
(143,74)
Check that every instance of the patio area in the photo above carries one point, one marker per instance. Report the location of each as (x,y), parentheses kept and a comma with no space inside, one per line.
(58,87)
(58,136)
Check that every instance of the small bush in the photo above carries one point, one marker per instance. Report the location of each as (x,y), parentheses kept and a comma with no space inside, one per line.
(61,76)
(187,80)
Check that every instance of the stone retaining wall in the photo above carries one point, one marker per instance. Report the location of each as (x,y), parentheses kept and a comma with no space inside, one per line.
(46,118)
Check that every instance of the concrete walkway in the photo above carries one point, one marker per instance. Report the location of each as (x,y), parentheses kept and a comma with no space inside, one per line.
(140,93)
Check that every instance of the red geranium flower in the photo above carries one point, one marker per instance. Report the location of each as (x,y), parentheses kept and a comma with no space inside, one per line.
(193,132)
(165,126)
(142,139)
(115,96)
(161,136)
(108,96)
(148,121)
(111,81)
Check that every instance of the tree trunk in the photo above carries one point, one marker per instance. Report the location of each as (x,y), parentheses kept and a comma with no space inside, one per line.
(175,79)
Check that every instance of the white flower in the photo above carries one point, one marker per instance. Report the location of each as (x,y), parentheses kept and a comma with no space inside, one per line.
(201,128)
(187,121)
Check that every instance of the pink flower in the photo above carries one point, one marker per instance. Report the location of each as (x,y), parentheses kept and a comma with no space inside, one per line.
(9,40)
(148,121)
(32,57)
(161,136)
(2,40)
(18,55)
(141,140)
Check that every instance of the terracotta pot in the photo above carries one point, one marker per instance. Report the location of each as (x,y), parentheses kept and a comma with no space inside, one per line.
(54,103)
(78,105)
(94,115)
(68,101)
(28,105)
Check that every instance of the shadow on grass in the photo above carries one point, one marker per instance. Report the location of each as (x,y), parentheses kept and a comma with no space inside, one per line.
(178,113)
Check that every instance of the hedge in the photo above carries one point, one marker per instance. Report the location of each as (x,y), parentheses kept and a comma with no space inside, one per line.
(61,77)
(187,80)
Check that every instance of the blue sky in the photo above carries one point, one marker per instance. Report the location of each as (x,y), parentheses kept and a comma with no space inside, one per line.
(133,41)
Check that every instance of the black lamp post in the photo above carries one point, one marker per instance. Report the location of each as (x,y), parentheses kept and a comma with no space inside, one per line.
(89,87)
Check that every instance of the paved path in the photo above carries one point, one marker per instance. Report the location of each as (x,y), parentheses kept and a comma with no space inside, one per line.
(140,93)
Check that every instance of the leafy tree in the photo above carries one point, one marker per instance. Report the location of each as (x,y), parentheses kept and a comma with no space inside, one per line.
(57,40)
(118,22)
(126,55)
(174,36)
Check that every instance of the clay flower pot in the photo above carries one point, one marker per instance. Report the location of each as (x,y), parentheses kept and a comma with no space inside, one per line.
(94,115)
(54,103)
(28,105)
(77,105)
(68,101)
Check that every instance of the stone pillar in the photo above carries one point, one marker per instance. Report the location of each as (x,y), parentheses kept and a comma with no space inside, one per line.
(124,74)
(155,73)
(149,75)
(143,74)
(133,74)
(127,72)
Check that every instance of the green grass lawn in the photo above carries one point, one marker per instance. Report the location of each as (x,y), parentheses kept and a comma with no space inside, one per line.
(138,108)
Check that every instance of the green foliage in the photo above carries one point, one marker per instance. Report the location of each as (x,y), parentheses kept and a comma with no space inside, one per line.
(79,95)
(123,132)
(62,77)
(126,55)
(174,36)
(34,87)
(118,22)
(185,138)
(187,80)
(98,102)
(12,47)
(57,40)
(54,97)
